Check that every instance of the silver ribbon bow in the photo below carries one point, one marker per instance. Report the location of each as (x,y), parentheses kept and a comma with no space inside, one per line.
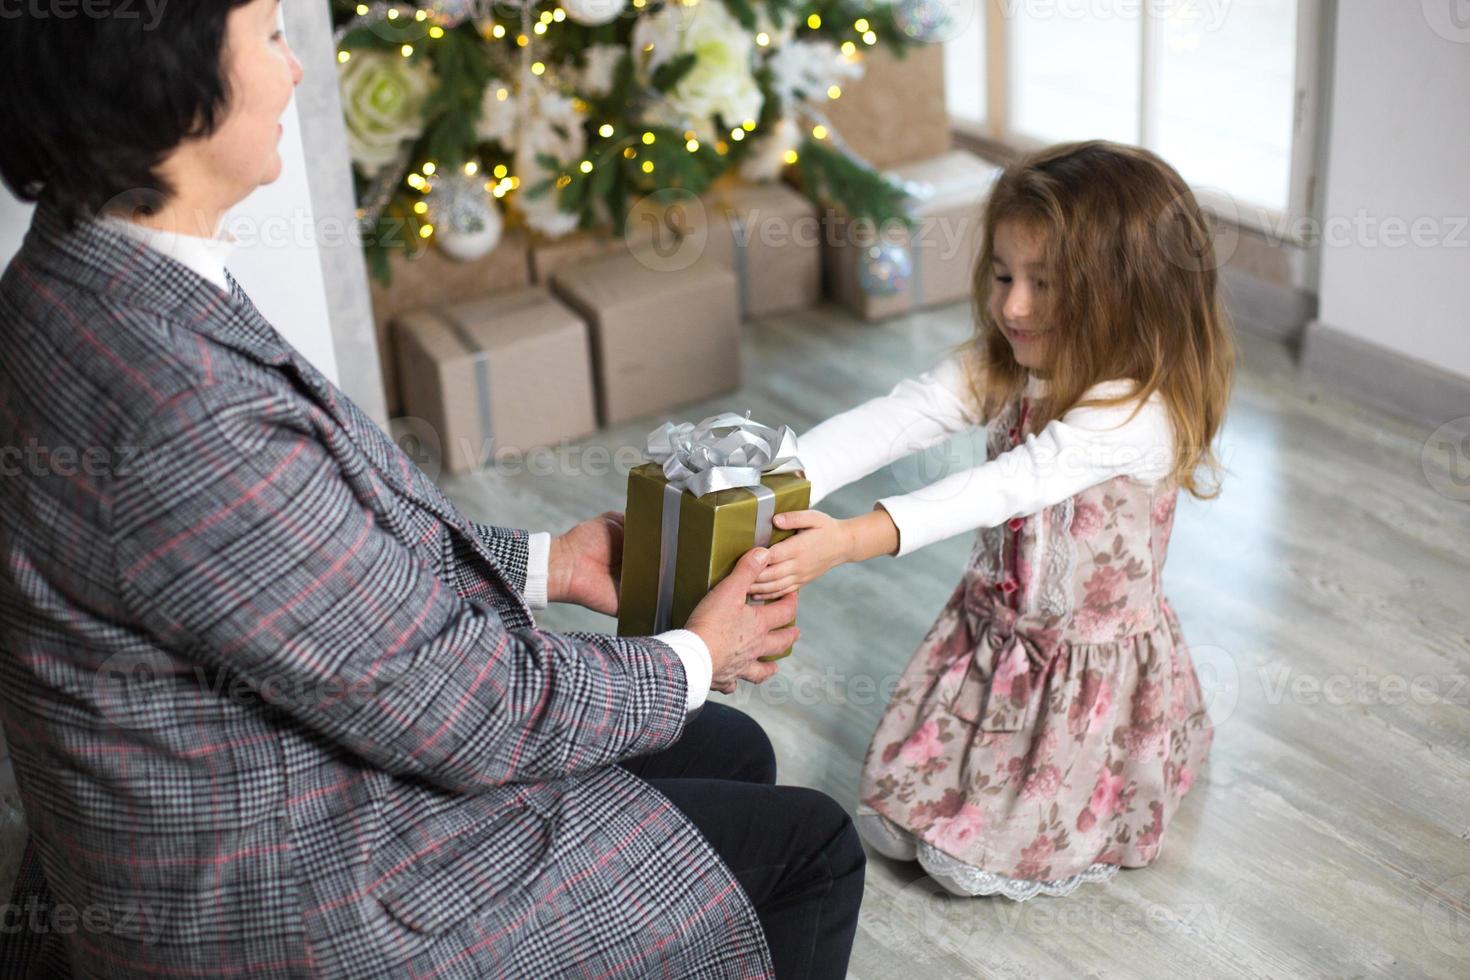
(722,452)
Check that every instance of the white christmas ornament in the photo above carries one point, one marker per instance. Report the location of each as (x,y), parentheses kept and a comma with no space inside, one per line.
(932,21)
(467,223)
(466,246)
(591,13)
(452,12)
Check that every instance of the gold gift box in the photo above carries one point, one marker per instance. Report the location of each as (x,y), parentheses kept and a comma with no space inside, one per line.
(714,532)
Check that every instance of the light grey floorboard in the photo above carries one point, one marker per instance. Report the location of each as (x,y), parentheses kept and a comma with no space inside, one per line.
(1330,834)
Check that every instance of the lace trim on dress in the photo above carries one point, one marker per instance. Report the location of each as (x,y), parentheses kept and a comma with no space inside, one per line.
(988,557)
(891,840)
(977,881)
(1058,563)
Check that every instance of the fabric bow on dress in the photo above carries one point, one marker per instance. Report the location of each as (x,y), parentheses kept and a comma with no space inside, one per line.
(1012,654)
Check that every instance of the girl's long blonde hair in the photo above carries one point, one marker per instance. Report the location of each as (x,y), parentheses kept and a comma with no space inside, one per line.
(1132,292)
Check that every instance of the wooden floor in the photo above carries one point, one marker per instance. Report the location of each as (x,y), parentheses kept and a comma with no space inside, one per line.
(1326,597)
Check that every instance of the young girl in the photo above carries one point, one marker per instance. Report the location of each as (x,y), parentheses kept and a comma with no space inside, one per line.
(1049,724)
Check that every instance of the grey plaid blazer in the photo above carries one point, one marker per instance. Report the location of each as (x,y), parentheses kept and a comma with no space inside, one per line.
(276,707)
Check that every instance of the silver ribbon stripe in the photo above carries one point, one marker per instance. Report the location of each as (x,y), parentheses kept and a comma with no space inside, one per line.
(482,370)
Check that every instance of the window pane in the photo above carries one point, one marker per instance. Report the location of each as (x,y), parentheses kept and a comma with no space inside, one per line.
(964,65)
(1226,95)
(1075,71)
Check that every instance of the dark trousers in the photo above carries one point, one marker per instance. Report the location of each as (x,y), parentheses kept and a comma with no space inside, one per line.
(793,849)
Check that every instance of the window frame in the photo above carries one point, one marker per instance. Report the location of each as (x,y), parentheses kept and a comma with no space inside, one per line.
(1303,180)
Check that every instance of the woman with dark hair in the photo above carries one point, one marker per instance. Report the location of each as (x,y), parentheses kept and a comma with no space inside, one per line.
(275,706)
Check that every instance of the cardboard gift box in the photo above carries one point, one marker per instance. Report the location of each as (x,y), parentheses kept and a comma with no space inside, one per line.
(498,374)
(768,234)
(644,229)
(942,248)
(551,254)
(896,110)
(431,277)
(680,543)
(660,337)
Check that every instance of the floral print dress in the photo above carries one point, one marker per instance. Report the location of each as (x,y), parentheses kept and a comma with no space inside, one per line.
(1051,721)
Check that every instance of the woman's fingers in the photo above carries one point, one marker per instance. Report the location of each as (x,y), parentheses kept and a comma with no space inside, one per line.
(759,673)
(778,640)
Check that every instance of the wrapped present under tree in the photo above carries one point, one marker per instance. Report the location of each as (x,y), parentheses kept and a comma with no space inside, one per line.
(660,338)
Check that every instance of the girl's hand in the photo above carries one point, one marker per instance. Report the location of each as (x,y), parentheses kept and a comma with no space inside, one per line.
(820,544)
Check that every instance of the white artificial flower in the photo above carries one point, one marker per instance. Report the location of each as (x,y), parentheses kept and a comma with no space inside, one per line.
(655,38)
(768,154)
(497,120)
(805,70)
(553,126)
(720,83)
(602,62)
(382,104)
(552,123)
(541,213)
(778,35)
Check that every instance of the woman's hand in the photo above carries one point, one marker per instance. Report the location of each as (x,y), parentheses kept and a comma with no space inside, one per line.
(586,563)
(820,544)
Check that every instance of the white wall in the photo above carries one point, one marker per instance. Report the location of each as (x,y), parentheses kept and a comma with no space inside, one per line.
(280,268)
(1399,152)
(277,264)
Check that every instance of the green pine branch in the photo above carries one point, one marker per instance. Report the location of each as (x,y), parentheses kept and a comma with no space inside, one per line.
(828,174)
(453,108)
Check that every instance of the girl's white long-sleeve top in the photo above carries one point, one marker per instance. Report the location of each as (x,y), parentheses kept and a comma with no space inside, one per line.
(1083,448)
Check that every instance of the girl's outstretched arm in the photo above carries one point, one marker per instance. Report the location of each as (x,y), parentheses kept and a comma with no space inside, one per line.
(1085,447)
(918,413)
(823,543)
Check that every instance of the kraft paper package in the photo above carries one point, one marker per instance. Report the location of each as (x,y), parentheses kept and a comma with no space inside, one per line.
(431,278)
(479,372)
(662,337)
(768,234)
(943,247)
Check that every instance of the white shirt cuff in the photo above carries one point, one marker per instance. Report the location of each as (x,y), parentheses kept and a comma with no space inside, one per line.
(698,666)
(538,561)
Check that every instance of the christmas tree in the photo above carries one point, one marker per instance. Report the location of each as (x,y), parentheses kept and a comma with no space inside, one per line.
(565,113)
